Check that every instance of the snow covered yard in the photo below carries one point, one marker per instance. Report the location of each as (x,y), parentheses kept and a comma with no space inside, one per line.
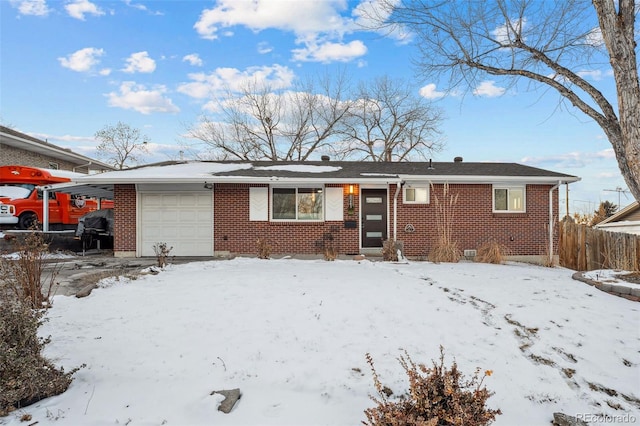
(293,334)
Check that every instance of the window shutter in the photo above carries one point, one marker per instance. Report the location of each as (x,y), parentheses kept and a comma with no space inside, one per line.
(334,201)
(258,203)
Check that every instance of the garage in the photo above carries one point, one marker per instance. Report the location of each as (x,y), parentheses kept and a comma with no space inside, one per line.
(183,220)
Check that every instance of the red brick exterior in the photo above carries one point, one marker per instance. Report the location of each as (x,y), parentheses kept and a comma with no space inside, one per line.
(124,218)
(234,232)
(523,234)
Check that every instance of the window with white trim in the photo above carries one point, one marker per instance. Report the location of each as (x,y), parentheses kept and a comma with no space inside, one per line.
(53,166)
(297,204)
(509,198)
(416,194)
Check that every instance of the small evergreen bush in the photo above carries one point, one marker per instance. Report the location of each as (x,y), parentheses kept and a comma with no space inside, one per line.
(437,396)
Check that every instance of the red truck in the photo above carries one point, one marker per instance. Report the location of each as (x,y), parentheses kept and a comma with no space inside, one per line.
(21,202)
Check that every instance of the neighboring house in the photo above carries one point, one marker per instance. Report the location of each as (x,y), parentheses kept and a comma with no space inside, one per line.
(216,208)
(626,220)
(19,149)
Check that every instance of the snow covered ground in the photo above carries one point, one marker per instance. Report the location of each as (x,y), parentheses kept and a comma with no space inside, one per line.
(293,334)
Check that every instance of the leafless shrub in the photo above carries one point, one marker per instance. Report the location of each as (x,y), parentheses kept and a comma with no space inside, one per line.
(25,276)
(437,396)
(491,252)
(390,250)
(330,253)
(446,248)
(162,253)
(264,248)
(25,375)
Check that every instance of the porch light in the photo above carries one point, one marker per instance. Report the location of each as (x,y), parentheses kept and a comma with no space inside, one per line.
(351,197)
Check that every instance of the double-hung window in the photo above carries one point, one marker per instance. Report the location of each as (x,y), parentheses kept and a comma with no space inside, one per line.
(297,204)
(509,199)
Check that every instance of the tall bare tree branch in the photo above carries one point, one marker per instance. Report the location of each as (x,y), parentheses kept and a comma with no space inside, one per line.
(548,43)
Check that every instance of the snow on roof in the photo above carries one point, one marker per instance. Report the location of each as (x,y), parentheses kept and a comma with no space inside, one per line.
(303,168)
(190,170)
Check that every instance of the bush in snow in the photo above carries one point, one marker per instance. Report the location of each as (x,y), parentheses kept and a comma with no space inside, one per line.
(25,375)
(390,249)
(264,248)
(446,247)
(437,396)
(491,252)
(24,275)
(162,252)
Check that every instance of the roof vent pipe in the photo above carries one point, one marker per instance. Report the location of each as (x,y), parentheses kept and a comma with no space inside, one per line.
(430,164)
(457,160)
(325,158)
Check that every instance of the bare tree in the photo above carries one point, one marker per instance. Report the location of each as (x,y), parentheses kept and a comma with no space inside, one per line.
(264,124)
(390,122)
(548,43)
(121,145)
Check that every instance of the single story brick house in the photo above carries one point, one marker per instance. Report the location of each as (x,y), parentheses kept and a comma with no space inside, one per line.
(224,207)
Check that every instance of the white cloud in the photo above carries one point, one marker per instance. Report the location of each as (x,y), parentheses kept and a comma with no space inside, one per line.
(142,7)
(206,85)
(105,71)
(140,62)
(193,59)
(596,75)
(369,13)
(138,98)
(594,37)
(488,89)
(79,8)
(329,52)
(31,7)
(83,60)
(575,159)
(506,34)
(429,91)
(307,17)
(264,47)
(318,25)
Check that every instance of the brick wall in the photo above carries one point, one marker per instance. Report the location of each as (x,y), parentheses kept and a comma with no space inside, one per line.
(521,233)
(124,218)
(235,233)
(10,155)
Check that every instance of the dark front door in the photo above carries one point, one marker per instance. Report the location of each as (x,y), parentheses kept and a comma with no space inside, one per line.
(374,217)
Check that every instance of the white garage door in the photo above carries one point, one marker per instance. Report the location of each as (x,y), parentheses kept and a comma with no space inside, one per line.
(182,220)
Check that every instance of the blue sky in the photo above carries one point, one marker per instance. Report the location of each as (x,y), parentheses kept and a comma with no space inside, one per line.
(70,67)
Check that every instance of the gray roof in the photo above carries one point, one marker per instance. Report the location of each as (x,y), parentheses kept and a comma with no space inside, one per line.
(172,172)
(20,140)
(363,169)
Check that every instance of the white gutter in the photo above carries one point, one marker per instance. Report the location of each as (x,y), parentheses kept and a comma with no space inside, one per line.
(553,188)
(533,180)
(83,165)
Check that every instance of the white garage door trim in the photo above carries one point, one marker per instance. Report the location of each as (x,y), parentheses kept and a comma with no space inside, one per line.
(181,219)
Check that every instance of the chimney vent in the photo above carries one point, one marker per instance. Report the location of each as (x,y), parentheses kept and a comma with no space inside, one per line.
(457,160)
(325,158)
(430,164)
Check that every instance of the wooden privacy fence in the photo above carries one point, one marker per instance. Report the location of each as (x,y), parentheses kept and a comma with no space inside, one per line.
(583,248)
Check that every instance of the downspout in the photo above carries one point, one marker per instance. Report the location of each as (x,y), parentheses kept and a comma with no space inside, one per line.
(395,210)
(45,209)
(553,188)
(83,165)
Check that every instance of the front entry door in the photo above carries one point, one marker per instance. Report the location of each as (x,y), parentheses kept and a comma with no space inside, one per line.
(374,217)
